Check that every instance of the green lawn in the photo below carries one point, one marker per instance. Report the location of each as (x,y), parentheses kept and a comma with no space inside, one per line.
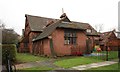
(109,67)
(25,57)
(67,63)
(111,55)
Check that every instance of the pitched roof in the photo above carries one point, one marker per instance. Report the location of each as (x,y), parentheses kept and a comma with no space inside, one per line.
(47,31)
(105,36)
(88,26)
(72,25)
(40,24)
(59,24)
(37,23)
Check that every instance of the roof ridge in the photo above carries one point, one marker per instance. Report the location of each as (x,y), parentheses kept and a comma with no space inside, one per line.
(80,22)
(52,18)
(41,17)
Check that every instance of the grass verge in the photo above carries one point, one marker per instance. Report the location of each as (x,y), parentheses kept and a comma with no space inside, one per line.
(25,57)
(67,63)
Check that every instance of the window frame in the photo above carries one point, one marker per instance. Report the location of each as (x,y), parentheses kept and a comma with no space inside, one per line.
(70,37)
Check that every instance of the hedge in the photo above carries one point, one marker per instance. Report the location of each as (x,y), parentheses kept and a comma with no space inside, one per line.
(11,49)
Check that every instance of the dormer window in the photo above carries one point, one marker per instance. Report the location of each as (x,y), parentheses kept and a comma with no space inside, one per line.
(88,30)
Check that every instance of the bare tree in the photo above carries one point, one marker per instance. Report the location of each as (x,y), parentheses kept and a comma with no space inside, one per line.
(99,27)
(2,25)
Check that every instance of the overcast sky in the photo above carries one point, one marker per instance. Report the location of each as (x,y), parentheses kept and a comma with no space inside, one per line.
(94,12)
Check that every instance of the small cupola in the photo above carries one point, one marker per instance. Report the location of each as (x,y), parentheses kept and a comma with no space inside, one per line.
(65,18)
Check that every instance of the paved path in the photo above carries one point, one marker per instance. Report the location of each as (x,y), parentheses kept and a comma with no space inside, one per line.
(48,63)
(93,65)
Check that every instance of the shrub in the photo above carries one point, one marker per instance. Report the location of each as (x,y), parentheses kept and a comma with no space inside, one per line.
(11,50)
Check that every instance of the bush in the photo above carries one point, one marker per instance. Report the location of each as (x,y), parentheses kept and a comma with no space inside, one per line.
(11,50)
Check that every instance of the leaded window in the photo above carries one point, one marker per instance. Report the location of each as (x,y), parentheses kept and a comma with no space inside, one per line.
(70,37)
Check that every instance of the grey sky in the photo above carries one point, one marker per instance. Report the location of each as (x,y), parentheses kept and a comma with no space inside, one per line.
(94,12)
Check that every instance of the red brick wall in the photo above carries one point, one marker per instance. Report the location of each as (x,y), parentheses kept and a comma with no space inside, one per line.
(91,42)
(21,47)
(38,48)
(30,42)
(27,28)
(42,47)
(31,36)
(46,47)
(58,42)
(60,48)
(114,44)
(81,41)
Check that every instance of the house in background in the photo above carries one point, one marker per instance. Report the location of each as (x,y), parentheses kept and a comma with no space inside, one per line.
(109,39)
(57,37)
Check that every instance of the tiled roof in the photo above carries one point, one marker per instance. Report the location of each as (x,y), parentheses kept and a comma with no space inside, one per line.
(48,30)
(105,36)
(38,23)
(71,25)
